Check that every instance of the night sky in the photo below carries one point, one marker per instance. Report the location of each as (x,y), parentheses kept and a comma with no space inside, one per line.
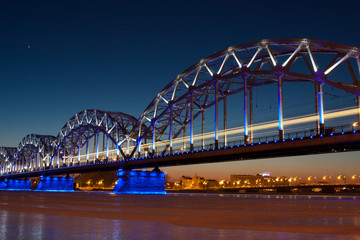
(57,59)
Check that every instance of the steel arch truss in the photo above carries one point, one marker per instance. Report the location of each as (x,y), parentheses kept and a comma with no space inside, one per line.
(72,145)
(33,153)
(7,160)
(239,69)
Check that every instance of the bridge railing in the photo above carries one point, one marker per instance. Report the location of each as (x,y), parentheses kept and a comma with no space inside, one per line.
(308,133)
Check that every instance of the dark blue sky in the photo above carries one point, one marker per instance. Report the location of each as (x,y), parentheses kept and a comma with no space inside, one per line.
(60,57)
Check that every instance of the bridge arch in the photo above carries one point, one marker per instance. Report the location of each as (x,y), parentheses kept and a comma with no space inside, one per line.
(33,153)
(89,127)
(7,159)
(239,70)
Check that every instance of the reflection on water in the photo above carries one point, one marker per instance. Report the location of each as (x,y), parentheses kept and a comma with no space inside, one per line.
(93,216)
(28,226)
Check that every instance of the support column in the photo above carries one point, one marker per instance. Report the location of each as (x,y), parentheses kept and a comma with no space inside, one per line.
(107,146)
(216,115)
(357,97)
(71,152)
(139,139)
(320,127)
(184,136)
(358,113)
(316,108)
(225,120)
(79,149)
(103,143)
(39,161)
(203,128)
(57,158)
(87,148)
(191,122)
(154,138)
(280,108)
(117,149)
(246,134)
(251,115)
(128,146)
(97,143)
(170,129)
(71,148)
(64,162)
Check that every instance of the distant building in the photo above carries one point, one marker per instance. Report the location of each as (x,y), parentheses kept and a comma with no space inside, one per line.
(260,180)
(211,184)
(195,182)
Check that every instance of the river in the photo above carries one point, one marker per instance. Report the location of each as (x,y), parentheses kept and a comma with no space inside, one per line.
(96,215)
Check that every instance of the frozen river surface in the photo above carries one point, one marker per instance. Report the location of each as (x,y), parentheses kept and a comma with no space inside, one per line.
(82,215)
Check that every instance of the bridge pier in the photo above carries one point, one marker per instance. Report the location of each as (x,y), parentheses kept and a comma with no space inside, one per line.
(56,184)
(140,182)
(16,185)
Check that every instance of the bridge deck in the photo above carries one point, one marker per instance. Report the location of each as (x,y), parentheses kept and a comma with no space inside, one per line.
(312,145)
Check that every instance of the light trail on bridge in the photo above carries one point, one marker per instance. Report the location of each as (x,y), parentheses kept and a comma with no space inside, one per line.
(208,136)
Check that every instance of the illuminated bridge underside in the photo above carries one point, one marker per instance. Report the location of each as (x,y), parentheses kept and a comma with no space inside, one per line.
(174,129)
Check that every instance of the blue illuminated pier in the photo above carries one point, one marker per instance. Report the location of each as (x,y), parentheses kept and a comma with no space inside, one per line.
(140,182)
(56,184)
(16,185)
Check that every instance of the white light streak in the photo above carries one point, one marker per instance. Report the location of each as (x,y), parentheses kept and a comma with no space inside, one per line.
(312,59)
(292,55)
(253,58)
(336,64)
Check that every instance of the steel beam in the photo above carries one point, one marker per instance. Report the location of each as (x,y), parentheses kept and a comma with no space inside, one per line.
(153,145)
(280,108)
(251,115)
(225,120)
(170,128)
(191,122)
(203,128)
(319,109)
(216,114)
(246,134)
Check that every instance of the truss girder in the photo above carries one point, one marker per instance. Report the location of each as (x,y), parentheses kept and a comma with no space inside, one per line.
(262,62)
(84,125)
(33,152)
(7,160)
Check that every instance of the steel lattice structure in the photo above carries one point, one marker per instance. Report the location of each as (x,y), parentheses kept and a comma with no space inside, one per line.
(89,124)
(239,69)
(7,155)
(33,153)
(170,117)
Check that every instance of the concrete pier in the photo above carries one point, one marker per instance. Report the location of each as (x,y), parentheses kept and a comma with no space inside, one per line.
(140,182)
(56,184)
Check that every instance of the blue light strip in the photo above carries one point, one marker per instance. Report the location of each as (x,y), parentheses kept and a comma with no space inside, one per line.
(245,107)
(153,137)
(280,104)
(138,144)
(216,113)
(97,144)
(321,105)
(107,145)
(192,120)
(117,148)
(170,128)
